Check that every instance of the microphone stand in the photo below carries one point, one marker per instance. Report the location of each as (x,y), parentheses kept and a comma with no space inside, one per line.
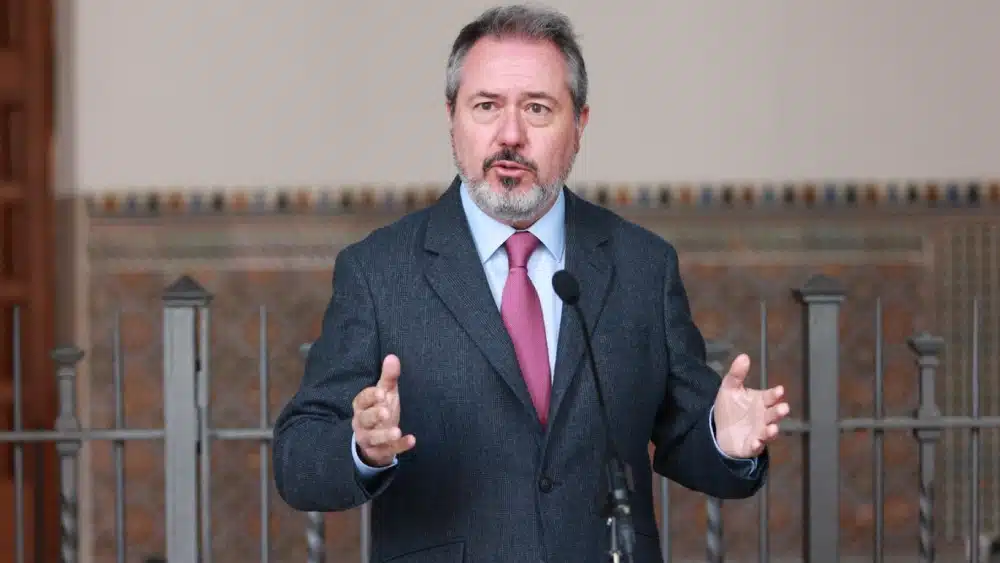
(618,485)
(617,509)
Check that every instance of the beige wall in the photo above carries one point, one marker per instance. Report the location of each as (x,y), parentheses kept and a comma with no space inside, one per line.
(255,92)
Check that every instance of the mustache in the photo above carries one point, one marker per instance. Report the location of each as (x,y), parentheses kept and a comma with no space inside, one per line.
(509,155)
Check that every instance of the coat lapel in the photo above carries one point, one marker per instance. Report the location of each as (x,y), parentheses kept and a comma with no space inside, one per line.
(588,261)
(456,274)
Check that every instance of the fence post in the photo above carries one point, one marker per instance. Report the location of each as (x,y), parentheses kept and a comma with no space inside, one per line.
(716,353)
(315,523)
(821,297)
(928,350)
(66,358)
(181,301)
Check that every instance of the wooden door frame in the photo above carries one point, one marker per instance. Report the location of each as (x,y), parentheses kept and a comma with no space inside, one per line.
(40,82)
(30,89)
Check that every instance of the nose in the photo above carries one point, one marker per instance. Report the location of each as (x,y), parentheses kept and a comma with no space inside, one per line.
(511,132)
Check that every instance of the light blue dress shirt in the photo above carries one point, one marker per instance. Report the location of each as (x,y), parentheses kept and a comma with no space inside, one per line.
(489,236)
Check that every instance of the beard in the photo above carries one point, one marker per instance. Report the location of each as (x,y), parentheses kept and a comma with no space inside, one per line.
(512,205)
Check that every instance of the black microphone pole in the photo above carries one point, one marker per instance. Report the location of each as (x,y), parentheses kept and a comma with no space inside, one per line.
(617,484)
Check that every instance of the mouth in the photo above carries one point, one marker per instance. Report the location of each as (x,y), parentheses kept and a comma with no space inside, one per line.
(508,166)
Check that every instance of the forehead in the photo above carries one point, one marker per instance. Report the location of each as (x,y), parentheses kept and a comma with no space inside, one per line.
(509,66)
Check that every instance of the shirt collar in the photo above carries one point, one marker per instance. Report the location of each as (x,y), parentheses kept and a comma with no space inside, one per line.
(490,234)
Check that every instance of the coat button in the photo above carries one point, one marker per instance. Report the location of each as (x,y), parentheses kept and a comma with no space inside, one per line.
(545,485)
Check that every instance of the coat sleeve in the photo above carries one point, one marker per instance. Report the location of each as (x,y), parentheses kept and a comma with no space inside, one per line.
(314,467)
(683,434)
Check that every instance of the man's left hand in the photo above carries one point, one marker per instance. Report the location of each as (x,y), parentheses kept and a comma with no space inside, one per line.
(746,420)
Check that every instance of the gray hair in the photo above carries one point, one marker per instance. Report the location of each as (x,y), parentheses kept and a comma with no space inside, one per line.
(526,22)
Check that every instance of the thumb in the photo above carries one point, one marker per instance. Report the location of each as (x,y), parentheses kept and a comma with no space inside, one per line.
(390,373)
(737,372)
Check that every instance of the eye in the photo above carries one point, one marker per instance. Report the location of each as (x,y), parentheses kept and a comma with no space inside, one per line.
(487,106)
(537,108)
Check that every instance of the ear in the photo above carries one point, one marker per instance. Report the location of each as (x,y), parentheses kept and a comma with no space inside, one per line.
(583,120)
(581,124)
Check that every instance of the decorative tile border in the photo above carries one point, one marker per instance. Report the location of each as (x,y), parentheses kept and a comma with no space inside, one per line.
(929,194)
(269,245)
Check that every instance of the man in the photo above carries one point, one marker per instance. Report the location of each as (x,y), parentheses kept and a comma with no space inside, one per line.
(449,384)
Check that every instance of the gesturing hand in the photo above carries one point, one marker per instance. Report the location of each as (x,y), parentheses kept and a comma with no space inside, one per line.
(376,418)
(746,419)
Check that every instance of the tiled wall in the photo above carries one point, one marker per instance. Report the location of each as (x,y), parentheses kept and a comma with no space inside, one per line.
(820,196)
(738,244)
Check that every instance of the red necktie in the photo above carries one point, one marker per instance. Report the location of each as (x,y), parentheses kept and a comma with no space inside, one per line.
(522,315)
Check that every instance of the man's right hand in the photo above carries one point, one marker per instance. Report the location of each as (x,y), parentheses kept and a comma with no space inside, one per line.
(376,418)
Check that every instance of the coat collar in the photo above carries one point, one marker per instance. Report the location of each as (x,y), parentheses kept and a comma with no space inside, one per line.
(455,272)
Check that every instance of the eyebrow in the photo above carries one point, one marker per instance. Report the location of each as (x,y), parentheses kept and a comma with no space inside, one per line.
(529,95)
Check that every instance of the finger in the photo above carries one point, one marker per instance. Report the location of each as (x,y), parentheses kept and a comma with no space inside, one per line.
(368,398)
(767,434)
(380,437)
(390,373)
(371,418)
(403,444)
(738,371)
(773,395)
(390,443)
(776,413)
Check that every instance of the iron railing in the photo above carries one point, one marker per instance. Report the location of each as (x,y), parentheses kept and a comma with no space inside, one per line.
(188,437)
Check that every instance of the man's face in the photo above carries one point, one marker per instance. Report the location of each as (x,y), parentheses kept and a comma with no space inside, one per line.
(513,131)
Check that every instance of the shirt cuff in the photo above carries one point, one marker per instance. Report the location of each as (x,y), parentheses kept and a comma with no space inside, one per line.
(366,471)
(739,462)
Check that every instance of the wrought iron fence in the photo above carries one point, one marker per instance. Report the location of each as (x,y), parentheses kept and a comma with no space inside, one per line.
(188,437)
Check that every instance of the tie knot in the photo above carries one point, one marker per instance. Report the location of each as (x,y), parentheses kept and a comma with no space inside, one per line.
(520,245)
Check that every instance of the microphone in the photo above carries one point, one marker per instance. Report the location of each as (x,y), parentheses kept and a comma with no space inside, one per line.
(617,484)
